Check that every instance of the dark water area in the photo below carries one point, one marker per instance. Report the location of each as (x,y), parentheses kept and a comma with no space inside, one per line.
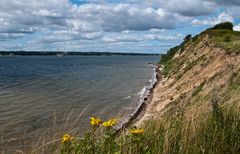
(40,93)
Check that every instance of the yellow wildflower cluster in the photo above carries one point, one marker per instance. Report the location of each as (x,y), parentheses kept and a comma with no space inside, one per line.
(95,121)
(67,138)
(137,131)
(110,123)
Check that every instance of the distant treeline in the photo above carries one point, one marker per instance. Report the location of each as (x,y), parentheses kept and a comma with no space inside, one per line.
(53,53)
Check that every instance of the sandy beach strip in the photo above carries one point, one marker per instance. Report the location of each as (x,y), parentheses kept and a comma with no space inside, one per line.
(139,115)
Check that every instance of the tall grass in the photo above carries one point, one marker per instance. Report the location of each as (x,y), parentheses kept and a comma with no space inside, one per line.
(216,132)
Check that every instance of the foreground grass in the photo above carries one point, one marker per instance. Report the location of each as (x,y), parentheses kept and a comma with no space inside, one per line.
(216,132)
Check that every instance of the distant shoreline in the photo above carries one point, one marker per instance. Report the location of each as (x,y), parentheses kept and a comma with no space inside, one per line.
(60,54)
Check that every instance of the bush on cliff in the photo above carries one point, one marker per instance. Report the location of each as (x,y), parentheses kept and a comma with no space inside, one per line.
(225,25)
(171,52)
(166,59)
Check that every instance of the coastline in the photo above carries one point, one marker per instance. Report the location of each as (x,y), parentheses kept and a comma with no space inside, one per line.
(141,109)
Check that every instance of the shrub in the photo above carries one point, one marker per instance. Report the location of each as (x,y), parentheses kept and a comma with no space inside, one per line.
(187,38)
(234,80)
(227,38)
(171,52)
(167,59)
(195,38)
(225,25)
(198,89)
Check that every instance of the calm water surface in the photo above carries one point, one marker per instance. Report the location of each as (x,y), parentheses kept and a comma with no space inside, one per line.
(38,93)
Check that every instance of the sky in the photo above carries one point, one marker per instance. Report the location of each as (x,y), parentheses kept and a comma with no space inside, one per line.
(140,26)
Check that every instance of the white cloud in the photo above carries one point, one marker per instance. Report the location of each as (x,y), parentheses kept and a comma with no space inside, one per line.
(47,13)
(157,30)
(236,28)
(121,38)
(8,36)
(191,7)
(223,17)
(29,16)
(56,24)
(183,7)
(21,15)
(126,31)
(133,37)
(159,37)
(228,2)
(120,17)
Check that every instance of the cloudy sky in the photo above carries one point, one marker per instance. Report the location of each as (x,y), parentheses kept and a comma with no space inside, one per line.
(144,26)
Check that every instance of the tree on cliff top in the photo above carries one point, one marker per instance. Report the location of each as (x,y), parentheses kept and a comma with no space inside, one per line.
(224,25)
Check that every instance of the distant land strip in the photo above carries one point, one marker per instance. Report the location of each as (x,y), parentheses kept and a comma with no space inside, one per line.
(59,53)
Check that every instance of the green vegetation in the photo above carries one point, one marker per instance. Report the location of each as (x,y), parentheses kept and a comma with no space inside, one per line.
(193,63)
(225,25)
(179,76)
(170,54)
(187,38)
(166,58)
(222,35)
(216,132)
(168,65)
(225,38)
(168,61)
(198,89)
(234,80)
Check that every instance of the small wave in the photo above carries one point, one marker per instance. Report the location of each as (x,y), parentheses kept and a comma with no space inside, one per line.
(144,93)
(146,89)
(128,97)
(143,90)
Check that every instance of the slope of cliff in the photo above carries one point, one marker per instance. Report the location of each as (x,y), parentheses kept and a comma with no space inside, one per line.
(202,69)
(195,107)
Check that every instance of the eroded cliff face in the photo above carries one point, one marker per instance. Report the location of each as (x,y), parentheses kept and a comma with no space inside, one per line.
(200,73)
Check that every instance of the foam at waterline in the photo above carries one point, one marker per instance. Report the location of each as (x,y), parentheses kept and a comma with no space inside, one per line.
(144,93)
(146,89)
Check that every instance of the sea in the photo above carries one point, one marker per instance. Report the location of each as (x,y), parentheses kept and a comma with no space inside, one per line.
(47,95)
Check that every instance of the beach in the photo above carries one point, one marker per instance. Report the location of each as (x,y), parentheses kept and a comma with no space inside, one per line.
(142,112)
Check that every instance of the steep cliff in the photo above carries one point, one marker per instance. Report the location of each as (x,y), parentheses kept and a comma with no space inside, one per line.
(202,70)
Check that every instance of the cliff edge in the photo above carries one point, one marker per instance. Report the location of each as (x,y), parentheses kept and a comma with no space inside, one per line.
(203,70)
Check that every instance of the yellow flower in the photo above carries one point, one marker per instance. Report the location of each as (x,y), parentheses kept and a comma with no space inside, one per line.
(110,123)
(95,121)
(137,131)
(67,138)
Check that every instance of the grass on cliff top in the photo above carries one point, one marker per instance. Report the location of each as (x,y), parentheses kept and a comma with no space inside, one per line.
(227,39)
(221,34)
